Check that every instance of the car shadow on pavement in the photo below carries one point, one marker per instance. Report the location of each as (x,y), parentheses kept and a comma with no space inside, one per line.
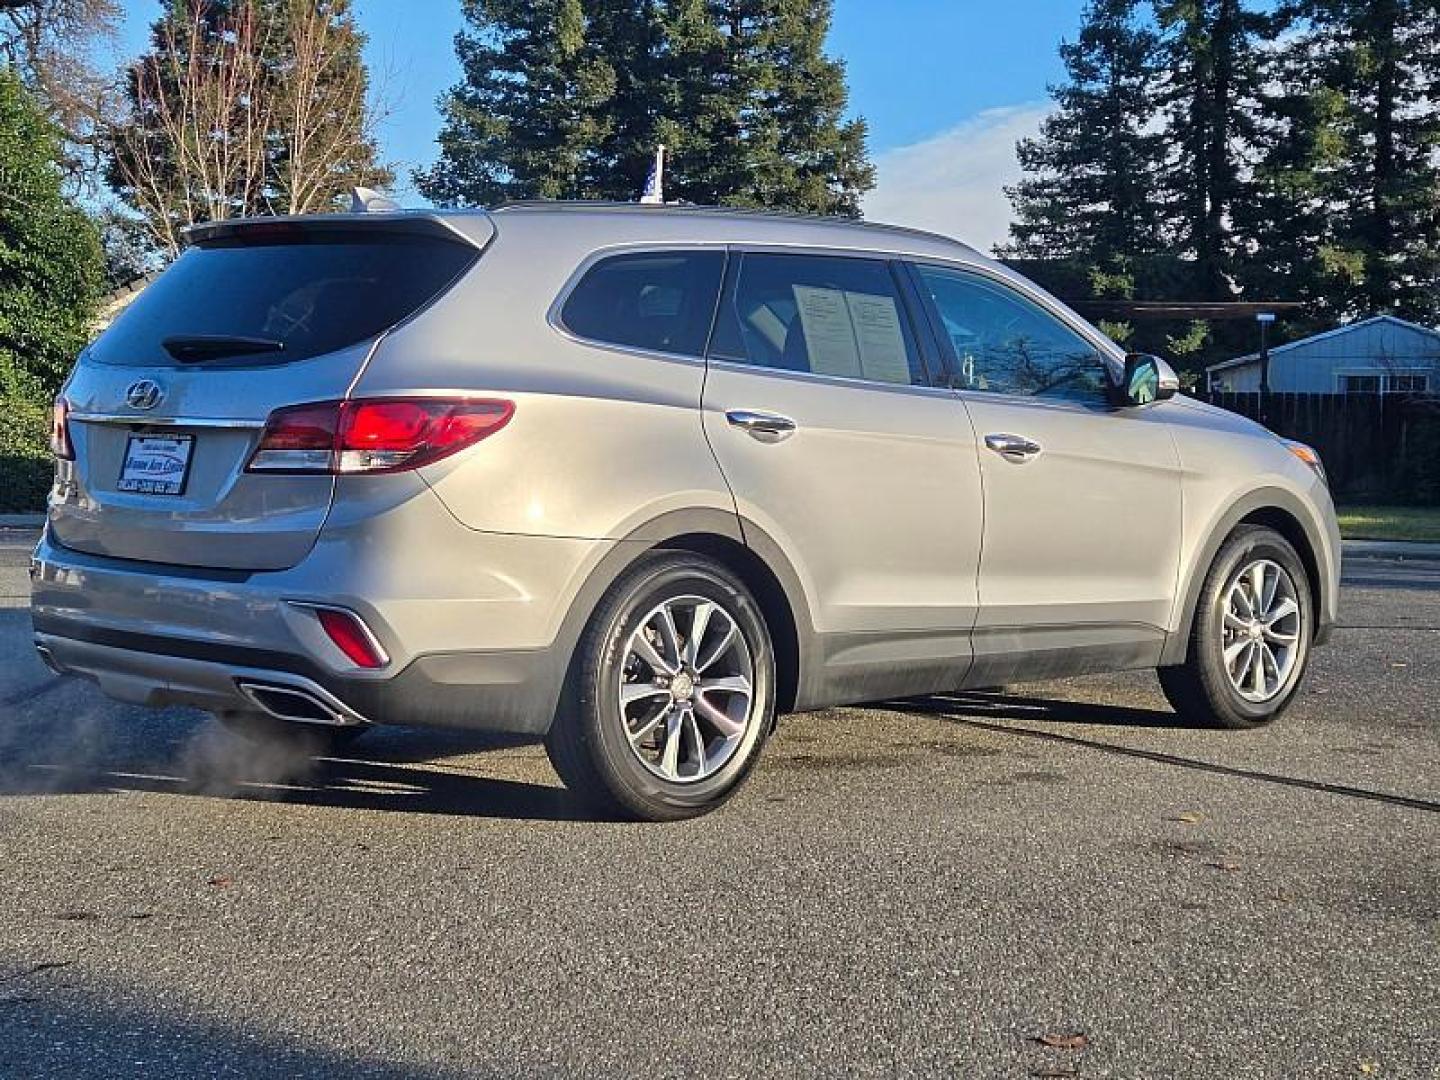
(1001,706)
(393,769)
(1008,715)
(61,1020)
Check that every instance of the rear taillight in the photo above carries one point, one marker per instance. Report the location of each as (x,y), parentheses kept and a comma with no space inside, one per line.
(374,435)
(60,444)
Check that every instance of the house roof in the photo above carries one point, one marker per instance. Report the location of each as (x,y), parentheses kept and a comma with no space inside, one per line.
(1251,358)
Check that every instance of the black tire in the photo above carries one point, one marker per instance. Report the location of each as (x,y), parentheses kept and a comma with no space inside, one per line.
(312,740)
(1200,689)
(588,743)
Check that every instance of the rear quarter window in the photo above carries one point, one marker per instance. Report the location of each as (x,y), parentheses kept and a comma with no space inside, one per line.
(311,290)
(658,301)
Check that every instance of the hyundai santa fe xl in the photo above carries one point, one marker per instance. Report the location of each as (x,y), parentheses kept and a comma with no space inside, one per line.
(637,479)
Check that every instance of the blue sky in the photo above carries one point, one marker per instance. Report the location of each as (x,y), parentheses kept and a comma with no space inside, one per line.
(946,85)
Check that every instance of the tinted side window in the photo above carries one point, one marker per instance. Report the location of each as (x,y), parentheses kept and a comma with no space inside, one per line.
(829,316)
(1004,343)
(657,300)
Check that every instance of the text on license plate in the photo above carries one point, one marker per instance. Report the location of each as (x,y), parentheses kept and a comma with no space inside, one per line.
(156,464)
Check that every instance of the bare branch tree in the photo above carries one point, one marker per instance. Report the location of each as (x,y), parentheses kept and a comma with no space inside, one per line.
(323,109)
(195,149)
(51,43)
(251,107)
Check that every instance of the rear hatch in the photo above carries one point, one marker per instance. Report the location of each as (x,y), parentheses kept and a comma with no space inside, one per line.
(166,407)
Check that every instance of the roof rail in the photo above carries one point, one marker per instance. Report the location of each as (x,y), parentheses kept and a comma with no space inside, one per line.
(696,208)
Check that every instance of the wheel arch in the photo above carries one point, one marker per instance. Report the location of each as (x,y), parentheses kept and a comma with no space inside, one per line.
(769,593)
(1274,508)
(718,535)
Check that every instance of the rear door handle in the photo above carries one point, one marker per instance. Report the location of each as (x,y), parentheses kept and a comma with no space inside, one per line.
(1013,447)
(767,427)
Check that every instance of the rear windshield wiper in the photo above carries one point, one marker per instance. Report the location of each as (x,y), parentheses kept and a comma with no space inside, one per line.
(193,348)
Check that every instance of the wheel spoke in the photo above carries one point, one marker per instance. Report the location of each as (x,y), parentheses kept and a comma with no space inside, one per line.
(1234,622)
(638,734)
(1257,669)
(691,727)
(640,691)
(1257,587)
(1269,585)
(641,646)
(1233,651)
(670,755)
(730,684)
(669,636)
(1246,656)
(1240,599)
(699,623)
(718,718)
(1283,610)
(708,660)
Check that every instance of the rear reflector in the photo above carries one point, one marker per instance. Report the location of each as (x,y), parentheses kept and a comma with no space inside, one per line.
(60,444)
(352,637)
(374,435)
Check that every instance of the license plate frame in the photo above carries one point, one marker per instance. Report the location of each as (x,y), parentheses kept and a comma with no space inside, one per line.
(156,464)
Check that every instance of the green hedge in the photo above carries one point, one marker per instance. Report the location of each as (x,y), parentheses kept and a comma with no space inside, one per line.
(25,466)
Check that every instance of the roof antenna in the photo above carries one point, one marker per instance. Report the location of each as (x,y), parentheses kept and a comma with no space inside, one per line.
(364,200)
(654,193)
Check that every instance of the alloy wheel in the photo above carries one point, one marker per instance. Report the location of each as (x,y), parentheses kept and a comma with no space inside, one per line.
(686,691)
(1263,633)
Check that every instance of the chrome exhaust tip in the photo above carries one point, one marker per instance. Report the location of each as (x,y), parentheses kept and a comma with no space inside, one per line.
(297,704)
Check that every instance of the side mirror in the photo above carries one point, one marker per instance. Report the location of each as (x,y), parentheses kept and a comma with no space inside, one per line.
(1147,379)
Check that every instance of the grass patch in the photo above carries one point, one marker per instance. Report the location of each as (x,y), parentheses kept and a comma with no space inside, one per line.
(1421,523)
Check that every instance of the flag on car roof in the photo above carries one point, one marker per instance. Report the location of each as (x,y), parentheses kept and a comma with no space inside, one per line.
(654,192)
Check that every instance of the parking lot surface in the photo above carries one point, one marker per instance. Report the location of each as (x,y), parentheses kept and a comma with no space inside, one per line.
(1052,880)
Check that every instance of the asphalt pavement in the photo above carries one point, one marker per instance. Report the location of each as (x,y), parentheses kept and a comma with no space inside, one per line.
(1056,880)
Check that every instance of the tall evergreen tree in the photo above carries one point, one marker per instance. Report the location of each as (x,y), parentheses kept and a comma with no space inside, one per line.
(1284,223)
(1347,184)
(567,99)
(1380,56)
(1212,50)
(530,114)
(1089,193)
(767,107)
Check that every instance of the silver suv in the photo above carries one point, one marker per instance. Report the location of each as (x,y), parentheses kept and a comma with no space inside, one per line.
(637,479)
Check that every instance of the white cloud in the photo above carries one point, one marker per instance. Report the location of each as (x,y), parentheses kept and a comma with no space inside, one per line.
(953,183)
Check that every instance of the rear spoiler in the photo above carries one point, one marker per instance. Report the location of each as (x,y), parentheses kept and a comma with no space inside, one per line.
(473,228)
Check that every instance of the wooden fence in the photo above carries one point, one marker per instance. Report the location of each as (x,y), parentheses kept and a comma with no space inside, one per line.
(1379,447)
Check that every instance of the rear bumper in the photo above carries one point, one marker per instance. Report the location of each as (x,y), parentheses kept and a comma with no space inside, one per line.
(471,622)
(501,691)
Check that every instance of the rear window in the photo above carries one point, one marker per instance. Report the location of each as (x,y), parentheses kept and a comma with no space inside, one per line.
(661,301)
(312,291)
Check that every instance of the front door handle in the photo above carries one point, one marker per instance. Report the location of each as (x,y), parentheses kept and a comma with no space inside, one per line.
(767,427)
(1013,447)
